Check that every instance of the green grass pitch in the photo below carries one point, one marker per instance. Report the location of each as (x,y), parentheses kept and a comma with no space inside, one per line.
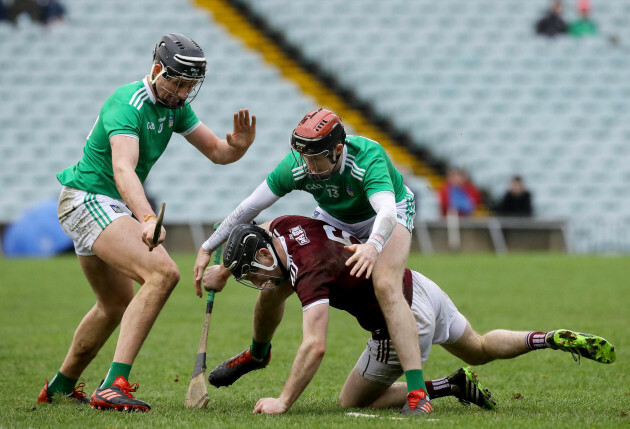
(41,302)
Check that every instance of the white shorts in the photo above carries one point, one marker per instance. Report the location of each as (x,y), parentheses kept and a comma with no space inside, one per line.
(438,322)
(83,216)
(405,212)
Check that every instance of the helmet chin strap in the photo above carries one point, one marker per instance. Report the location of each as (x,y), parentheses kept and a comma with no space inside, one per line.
(276,263)
(153,82)
(153,77)
(336,161)
(332,169)
(273,266)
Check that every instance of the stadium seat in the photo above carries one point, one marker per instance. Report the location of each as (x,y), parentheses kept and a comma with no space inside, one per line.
(468,80)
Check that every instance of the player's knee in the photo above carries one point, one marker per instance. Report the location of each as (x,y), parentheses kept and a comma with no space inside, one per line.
(352,397)
(318,351)
(168,276)
(345,402)
(478,356)
(173,275)
(470,348)
(387,291)
(162,280)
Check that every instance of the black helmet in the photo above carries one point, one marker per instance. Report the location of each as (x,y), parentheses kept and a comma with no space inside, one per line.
(239,253)
(180,57)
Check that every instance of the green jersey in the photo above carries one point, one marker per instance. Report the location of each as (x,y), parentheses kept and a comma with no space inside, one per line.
(366,169)
(131,110)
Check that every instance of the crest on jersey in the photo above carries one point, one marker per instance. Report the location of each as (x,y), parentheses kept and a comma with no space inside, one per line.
(297,233)
(171,120)
(350,191)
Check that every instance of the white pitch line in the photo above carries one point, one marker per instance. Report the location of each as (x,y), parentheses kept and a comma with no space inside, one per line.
(374,416)
(362,415)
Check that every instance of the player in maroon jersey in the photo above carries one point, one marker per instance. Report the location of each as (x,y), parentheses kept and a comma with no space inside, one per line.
(307,256)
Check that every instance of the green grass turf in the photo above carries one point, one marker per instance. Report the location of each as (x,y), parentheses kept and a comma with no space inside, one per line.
(41,302)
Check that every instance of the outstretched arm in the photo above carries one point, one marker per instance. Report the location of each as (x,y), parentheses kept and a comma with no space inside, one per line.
(260,199)
(305,365)
(235,144)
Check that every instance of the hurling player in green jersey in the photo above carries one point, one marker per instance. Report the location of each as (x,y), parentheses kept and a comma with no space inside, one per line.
(105,189)
(358,190)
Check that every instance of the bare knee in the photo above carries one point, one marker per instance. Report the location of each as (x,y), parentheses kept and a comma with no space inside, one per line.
(352,401)
(387,291)
(471,347)
(344,402)
(166,277)
(170,273)
(479,355)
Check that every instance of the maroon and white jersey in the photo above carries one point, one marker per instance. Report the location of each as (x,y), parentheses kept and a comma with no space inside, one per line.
(316,261)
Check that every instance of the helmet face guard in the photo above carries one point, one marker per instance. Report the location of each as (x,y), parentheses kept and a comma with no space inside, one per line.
(240,256)
(314,172)
(171,89)
(183,65)
(316,138)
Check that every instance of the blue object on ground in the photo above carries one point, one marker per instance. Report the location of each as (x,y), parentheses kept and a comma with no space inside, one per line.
(36,233)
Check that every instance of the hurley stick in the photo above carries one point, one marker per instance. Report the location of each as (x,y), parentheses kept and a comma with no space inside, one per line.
(158,225)
(197,396)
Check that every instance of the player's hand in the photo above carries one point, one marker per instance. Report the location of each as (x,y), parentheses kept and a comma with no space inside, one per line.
(270,406)
(363,259)
(203,259)
(215,278)
(244,131)
(148,228)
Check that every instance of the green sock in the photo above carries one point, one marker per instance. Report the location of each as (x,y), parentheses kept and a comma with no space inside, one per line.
(61,384)
(116,370)
(259,350)
(415,380)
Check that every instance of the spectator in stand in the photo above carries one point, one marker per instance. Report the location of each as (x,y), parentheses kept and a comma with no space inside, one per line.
(46,12)
(53,12)
(584,26)
(458,194)
(552,23)
(4,15)
(31,7)
(517,200)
